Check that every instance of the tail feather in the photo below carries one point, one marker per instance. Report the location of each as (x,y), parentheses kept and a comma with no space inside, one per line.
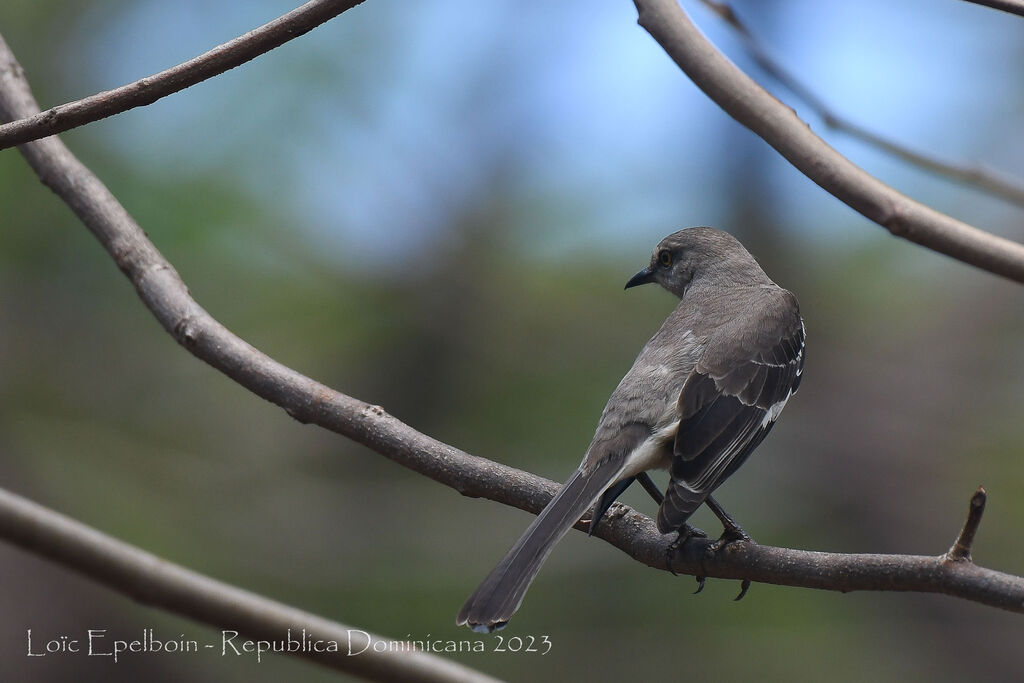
(494,602)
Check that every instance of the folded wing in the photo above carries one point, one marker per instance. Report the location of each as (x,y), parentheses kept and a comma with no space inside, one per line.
(728,405)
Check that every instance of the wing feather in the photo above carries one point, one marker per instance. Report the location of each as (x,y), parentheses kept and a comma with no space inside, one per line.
(727,406)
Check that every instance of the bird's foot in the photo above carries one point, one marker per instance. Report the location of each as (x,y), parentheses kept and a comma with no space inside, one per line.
(731,530)
(733,533)
(685,534)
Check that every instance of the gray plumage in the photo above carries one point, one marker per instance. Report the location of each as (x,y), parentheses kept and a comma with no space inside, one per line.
(701,395)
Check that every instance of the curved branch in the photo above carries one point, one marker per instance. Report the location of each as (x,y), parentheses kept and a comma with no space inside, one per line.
(780,127)
(150,89)
(151,580)
(992,182)
(164,293)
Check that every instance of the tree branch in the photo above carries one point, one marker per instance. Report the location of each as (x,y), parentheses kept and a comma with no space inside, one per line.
(780,127)
(961,550)
(151,580)
(150,89)
(1011,6)
(989,181)
(165,295)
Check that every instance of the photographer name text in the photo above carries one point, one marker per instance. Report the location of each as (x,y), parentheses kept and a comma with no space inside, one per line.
(99,642)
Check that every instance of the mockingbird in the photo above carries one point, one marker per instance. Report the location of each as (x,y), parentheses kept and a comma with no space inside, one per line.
(702,394)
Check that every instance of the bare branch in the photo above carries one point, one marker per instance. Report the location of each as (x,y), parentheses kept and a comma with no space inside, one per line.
(843,572)
(1011,6)
(961,550)
(164,293)
(779,126)
(151,580)
(150,89)
(987,180)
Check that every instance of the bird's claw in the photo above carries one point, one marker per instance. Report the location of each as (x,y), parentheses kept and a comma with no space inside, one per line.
(670,552)
(685,534)
(736,533)
(728,536)
(731,534)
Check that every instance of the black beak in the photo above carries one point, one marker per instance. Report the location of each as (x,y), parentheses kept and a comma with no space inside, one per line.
(642,278)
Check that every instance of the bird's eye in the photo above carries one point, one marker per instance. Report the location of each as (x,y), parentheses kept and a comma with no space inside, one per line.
(665,257)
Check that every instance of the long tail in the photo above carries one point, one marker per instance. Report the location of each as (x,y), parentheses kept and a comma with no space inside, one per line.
(494,602)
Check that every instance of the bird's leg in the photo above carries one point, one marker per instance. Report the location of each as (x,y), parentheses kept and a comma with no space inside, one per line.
(616,490)
(731,532)
(685,533)
(652,489)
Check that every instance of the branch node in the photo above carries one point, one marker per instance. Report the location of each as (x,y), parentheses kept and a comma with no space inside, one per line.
(186,331)
(372,411)
(961,550)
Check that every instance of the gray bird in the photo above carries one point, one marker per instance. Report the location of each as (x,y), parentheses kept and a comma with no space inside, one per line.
(702,394)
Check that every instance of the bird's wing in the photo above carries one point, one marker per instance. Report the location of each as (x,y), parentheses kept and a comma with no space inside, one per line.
(730,402)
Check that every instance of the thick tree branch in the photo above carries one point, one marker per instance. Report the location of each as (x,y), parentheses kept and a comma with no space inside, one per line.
(779,126)
(164,293)
(992,182)
(151,580)
(150,89)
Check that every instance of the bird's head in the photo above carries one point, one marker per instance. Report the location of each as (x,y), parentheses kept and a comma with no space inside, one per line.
(699,253)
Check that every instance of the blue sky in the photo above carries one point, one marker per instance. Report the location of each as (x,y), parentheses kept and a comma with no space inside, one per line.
(387,120)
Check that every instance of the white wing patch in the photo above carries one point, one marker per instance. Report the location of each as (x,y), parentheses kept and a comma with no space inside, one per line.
(773,411)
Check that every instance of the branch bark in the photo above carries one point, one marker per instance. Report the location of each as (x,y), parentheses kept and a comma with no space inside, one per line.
(960,551)
(151,580)
(151,88)
(165,295)
(779,126)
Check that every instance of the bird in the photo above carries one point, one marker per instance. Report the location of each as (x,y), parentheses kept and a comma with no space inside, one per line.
(701,395)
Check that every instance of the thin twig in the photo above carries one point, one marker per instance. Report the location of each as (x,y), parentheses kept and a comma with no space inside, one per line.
(151,88)
(758,110)
(164,293)
(961,550)
(151,580)
(987,180)
(1011,6)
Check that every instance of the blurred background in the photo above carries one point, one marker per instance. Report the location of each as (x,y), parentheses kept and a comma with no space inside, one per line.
(434,207)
